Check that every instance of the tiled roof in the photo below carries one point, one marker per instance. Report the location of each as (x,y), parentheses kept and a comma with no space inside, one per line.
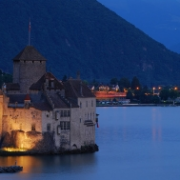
(43,106)
(76,88)
(40,83)
(29,53)
(19,98)
(61,102)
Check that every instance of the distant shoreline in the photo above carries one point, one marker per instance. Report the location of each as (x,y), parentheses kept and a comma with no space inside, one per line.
(136,105)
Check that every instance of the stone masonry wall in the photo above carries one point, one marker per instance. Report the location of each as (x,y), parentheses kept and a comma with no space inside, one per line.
(18,123)
(29,73)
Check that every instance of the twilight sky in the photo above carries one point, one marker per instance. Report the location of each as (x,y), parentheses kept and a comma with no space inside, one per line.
(160,19)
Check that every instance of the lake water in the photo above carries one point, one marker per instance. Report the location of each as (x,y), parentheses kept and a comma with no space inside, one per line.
(136,143)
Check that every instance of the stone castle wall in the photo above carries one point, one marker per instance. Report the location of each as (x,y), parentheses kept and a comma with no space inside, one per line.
(19,125)
(28,72)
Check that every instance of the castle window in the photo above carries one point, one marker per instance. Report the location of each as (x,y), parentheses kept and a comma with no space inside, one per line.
(33,127)
(56,115)
(80,105)
(24,61)
(80,120)
(86,103)
(92,103)
(58,130)
(52,84)
(62,114)
(65,113)
(40,62)
(48,127)
(65,125)
(69,114)
(32,61)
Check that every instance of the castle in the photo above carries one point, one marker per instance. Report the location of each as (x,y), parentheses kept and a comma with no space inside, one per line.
(39,113)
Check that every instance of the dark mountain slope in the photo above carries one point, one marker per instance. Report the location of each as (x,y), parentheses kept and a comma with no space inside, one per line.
(84,35)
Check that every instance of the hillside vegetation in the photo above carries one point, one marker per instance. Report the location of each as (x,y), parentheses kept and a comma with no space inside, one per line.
(84,35)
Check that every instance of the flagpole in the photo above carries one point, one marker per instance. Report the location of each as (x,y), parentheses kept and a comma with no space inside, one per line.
(29,33)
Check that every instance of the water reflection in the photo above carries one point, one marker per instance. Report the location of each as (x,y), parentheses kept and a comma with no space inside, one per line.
(156,124)
(40,164)
(140,143)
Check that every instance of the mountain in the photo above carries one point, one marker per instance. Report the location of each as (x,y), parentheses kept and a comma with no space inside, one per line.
(85,36)
(157,18)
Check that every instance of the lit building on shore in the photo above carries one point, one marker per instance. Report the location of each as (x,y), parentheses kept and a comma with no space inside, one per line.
(39,113)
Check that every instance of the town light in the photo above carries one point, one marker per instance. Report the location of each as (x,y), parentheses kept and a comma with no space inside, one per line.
(175,88)
(137,88)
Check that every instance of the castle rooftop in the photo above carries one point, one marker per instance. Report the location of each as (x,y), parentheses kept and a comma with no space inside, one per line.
(29,53)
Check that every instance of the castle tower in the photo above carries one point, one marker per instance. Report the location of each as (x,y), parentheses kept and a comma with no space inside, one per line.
(28,67)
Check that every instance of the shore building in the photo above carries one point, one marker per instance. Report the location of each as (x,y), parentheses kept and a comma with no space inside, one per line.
(39,113)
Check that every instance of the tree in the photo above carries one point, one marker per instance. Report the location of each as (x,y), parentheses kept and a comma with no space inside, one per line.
(114,81)
(129,95)
(124,83)
(164,94)
(135,84)
(173,94)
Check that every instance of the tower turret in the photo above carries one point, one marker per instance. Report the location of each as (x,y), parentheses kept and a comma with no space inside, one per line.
(28,67)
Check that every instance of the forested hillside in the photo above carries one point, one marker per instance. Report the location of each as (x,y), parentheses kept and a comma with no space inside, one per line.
(84,35)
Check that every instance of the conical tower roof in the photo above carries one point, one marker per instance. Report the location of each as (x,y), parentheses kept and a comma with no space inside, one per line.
(29,53)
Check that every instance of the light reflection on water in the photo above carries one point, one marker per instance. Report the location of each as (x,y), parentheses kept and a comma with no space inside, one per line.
(135,143)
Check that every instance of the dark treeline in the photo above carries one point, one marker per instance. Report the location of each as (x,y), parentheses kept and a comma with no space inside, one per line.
(5,78)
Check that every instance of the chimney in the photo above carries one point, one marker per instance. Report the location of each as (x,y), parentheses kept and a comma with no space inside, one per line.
(81,93)
(78,75)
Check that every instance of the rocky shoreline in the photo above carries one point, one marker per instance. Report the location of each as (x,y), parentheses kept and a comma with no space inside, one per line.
(84,149)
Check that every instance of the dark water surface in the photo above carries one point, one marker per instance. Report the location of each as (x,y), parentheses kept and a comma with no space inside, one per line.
(136,143)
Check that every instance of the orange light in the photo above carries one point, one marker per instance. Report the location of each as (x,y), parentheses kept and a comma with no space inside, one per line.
(154,88)
(175,88)
(159,88)
(137,88)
